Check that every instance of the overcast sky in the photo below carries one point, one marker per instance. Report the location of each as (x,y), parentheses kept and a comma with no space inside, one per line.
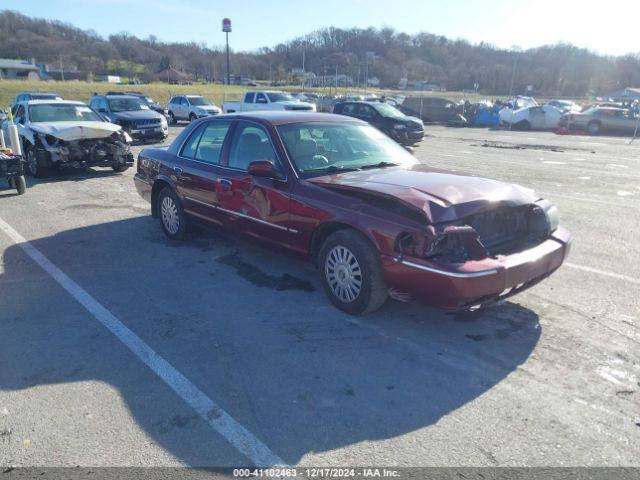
(609,27)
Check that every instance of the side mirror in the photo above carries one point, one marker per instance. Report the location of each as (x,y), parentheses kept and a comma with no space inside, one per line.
(102,110)
(263,168)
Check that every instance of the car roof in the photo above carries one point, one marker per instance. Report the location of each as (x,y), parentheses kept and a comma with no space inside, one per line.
(364,102)
(48,102)
(120,96)
(281,117)
(39,93)
(190,96)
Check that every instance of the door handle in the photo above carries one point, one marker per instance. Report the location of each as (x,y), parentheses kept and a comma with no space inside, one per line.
(225,183)
(178,171)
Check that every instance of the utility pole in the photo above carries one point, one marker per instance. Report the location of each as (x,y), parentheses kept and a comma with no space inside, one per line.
(61,68)
(226,28)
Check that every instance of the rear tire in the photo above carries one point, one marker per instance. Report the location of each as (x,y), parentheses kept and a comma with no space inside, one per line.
(171,213)
(523,125)
(593,128)
(351,273)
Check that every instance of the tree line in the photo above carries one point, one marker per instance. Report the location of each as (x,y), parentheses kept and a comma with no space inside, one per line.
(388,55)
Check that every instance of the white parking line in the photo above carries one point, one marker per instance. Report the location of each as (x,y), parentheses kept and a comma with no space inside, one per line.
(619,276)
(243,440)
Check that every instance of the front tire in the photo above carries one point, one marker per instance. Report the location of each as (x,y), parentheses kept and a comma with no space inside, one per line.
(172,119)
(351,273)
(35,166)
(172,217)
(192,117)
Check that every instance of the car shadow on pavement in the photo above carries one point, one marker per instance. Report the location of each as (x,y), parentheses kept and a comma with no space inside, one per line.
(255,333)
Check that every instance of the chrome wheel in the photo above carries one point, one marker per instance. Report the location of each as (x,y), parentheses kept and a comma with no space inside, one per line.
(170,218)
(343,273)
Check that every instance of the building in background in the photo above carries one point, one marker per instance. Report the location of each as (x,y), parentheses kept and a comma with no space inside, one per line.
(19,69)
(108,78)
(171,75)
(55,71)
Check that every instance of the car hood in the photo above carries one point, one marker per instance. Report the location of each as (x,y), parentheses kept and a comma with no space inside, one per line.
(135,115)
(207,108)
(69,131)
(295,103)
(442,196)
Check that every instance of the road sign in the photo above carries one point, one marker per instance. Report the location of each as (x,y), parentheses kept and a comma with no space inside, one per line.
(226,25)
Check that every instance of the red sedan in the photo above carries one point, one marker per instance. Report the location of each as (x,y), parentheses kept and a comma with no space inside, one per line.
(338,192)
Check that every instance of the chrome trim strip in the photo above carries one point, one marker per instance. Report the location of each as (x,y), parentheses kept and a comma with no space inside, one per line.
(200,202)
(482,273)
(249,217)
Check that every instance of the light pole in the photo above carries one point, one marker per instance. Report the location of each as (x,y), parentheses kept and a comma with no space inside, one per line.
(226,28)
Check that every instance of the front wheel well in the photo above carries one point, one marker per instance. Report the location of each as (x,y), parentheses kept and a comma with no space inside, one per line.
(324,231)
(158,186)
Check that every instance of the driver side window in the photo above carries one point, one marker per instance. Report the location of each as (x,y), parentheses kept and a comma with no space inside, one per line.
(19,115)
(366,111)
(251,143)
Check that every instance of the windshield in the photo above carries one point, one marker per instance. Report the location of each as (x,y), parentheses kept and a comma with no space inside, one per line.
(280,97)
(198,101)
(61,112)
(387,110)
(320,148)
(126,104)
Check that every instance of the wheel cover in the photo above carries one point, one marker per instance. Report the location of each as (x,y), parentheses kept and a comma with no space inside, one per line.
(343,274)
(170,218)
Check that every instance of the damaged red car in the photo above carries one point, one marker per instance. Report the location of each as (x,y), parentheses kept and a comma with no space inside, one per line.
(340,193)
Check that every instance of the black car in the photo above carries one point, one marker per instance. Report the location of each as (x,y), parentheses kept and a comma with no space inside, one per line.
(134,116)
(402,128)
(146,99)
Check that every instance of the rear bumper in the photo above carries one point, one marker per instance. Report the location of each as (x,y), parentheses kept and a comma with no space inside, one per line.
(455,286)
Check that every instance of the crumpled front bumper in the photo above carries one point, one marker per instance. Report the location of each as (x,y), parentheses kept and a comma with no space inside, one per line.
(464,285)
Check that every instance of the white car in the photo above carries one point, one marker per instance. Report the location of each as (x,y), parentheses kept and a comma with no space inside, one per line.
(190,108)
(64,132)
(257,100)
(539,117)
(565,106)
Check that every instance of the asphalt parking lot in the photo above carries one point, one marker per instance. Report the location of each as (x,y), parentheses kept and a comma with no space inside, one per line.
(550,378)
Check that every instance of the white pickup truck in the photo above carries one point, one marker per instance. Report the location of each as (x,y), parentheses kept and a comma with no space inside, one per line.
(267,100)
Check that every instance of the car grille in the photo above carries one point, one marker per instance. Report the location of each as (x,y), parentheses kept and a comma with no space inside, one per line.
(507,229)
(151,122)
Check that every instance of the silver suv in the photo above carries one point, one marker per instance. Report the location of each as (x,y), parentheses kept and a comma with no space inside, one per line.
(190,107)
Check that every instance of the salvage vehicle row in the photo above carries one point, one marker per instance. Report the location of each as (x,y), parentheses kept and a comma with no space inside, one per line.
(58,133)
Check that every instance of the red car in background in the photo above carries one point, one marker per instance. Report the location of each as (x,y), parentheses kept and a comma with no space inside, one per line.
(339,192)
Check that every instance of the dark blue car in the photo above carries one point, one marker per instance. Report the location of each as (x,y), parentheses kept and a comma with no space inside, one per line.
(133,115)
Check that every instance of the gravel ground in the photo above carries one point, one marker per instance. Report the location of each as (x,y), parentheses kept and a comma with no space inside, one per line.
(550,378)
